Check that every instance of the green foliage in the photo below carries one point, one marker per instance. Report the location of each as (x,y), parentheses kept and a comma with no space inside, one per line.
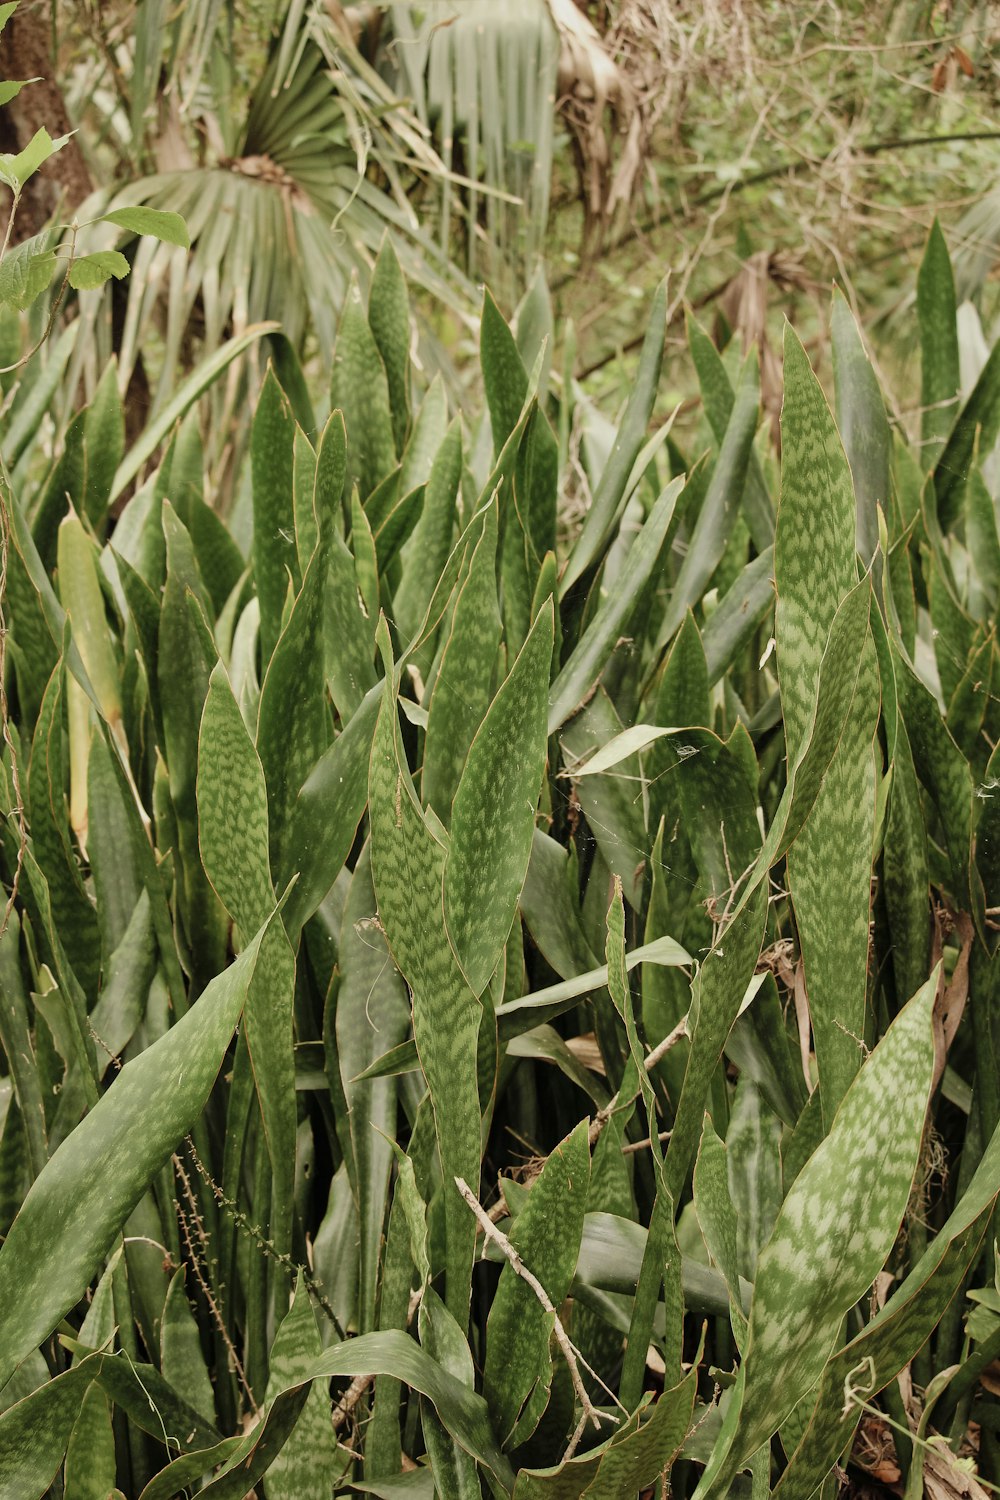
(315,829)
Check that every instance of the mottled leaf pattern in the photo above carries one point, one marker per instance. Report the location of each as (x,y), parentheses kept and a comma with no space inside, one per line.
(495,807)
(546,1235)
(835,1229)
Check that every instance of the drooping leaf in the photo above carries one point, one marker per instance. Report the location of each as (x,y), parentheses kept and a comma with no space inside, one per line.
(101,1171)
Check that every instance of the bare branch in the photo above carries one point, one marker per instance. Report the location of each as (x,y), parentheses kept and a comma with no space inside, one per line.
(570,1354)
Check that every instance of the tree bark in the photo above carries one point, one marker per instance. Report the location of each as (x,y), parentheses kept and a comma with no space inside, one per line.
(64,181)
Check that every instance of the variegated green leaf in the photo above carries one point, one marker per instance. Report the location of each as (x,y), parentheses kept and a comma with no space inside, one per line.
(359,389)
(546,1234)
(408,862)
(306,1466)
(463,682)
(274,553)
(101,1171)
(836,1227)
(495,806)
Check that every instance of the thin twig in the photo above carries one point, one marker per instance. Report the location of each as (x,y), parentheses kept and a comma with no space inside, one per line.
(633,1146)
(661,1049)
(349,1400)
(195,1253)
(569,1352)
(252,1231)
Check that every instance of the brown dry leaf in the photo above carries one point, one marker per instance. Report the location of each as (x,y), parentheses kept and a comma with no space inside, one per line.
(946,1477)
(875,1451)
(989,1378)
(804,1023)
(586,1051)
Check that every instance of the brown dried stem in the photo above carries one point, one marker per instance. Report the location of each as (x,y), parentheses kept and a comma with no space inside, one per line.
(570,1354)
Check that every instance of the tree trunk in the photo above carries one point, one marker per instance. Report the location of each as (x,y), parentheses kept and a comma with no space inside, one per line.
(64,181)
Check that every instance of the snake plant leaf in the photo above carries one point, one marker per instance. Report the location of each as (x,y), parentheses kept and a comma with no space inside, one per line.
(632,432)
(182,1363)
(717,1218)
(588,659)
(718,400)
(739,614)
(102,1169)
(461,692)
(836,1227)
(349,652)
(408,864)
(518,1018)
(838,677)
(830,879)
(306,1466)
(232,814)
(272,441)
(80,593)
(940,374)
(35,1431)
(454,1469)
(232,808)
(719,508)
(976,428)
(862,423)
(461,1411)
(389,321)
(426,552)
(325,815)
(945,772)
(304,498)
(716,995)
(661,1261)
(495,807)
(18,1044)
(51,836)
(185,658)
(877,1354)
(90,1454)
(984,541)
(632,1459)
(754,1168)
(546,1234)
(424,441)
(612,801)
(373,1013)
(360,390)
(292,716)
(331,468)
(814,544)
(103,446)
(504,377)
